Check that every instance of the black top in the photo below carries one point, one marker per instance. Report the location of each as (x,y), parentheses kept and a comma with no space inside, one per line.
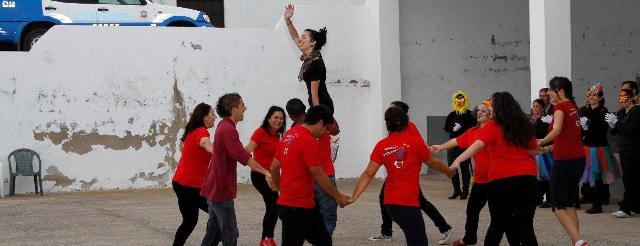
(465,120)
(628,129)
(598,128)
(317,71)
(541,128)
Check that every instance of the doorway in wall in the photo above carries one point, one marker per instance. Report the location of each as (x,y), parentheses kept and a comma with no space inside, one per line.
(213,8)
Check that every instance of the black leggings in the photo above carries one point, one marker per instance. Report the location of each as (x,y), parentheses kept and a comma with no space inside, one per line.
(270,198)
(512,204)
(189,202)
(426,206)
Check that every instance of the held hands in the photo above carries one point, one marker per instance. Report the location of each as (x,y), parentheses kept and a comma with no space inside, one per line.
(343,201)
(611,118)
(457,127)
(435,149)
(288,11)
(270,182)
(547,119)
(583,123)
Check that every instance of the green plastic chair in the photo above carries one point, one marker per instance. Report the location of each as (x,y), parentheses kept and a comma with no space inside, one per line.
(24,167)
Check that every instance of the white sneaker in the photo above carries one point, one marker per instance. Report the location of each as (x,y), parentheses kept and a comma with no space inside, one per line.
(621,214)
(380,237)
(582,243)
(445,237)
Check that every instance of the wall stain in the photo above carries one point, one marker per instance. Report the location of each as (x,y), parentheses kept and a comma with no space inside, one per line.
(353,82)
(82,142)
(53,174)
(495,42)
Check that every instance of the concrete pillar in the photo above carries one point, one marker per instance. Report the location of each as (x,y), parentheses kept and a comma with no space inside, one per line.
(550,35)
(385,39)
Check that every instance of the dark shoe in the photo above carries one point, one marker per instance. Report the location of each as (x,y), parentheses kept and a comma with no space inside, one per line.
(545,205)
(594,210)
(577,206)
(455,195)
(464,195)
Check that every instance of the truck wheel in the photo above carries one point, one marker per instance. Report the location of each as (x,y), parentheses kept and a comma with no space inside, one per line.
(32,37)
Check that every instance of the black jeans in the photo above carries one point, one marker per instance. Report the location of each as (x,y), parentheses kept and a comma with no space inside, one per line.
(597,194)
(630,161)
(300,224)
(512,204)
(189,202)
(425,205)
(543,188)
(465,168)
(270,198)
(410,221)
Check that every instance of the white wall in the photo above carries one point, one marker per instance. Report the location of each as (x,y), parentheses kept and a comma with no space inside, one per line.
(605,46)
(105,106)
(477,46)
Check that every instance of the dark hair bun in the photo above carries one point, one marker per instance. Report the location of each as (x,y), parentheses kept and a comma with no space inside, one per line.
(319,36)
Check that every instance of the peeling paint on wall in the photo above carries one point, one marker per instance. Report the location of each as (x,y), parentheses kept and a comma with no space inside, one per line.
(59,179)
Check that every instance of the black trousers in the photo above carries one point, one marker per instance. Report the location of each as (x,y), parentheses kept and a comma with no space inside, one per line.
(189,202)
(410,221)
(597,194)
(630,162)
(465,168)
(543,188)
(270,198)
(426,206)
(300,224)
(512,205)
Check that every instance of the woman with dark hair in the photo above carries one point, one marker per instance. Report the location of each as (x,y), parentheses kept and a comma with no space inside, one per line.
(544,160)
(602,167)
(512,188)
(264,144)
(626,125)
(568,156)
(633,86)
(313,71)
(192,167)
(402,154)
(481,160)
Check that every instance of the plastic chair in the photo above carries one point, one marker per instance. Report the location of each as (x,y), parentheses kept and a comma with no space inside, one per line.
(24,167)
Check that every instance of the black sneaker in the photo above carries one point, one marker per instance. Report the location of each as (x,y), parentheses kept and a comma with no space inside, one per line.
(594,210)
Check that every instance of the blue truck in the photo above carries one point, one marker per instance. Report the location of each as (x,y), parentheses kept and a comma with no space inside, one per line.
(24,22)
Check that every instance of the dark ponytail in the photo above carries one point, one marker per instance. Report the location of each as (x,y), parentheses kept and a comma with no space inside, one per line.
(320,37)
(557,83)
(396,119)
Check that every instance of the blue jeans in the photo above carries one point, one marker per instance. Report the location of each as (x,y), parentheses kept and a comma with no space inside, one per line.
(410,221)
(222,224)
(327,205)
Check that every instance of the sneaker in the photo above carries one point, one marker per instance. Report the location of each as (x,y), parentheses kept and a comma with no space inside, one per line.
(380,237)
(582,243)
(268,242)
(621,214)
(445,237)
(459,242)
(594,210)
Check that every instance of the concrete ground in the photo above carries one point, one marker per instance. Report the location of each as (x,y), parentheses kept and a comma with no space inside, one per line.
(151,216)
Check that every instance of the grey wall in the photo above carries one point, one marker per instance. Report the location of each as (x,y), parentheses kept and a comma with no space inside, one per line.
(478,46)
(605,45)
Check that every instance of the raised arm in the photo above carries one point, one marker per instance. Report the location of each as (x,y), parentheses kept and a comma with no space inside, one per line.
(452,143)
(288,13)
(468,153)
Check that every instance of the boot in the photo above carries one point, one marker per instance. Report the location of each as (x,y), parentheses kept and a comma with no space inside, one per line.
(464,195)
(455,194)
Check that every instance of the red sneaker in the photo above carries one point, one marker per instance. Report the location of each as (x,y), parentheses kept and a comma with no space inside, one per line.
(268,242)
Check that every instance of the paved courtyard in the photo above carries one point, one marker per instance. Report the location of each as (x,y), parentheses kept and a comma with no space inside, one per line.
(150,217)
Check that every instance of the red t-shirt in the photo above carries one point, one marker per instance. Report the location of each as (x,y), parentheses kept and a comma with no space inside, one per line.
(297,152)
(507,160)
(266,149)
(194,160)
(482,159)
(568,145)
(324,143)
(402,155)
(412,129)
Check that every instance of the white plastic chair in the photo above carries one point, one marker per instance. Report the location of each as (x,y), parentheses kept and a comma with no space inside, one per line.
(1,179)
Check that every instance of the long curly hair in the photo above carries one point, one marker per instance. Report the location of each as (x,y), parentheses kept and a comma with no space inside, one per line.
(515,124)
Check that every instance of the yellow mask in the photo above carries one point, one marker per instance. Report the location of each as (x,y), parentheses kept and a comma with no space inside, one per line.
(460,102)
